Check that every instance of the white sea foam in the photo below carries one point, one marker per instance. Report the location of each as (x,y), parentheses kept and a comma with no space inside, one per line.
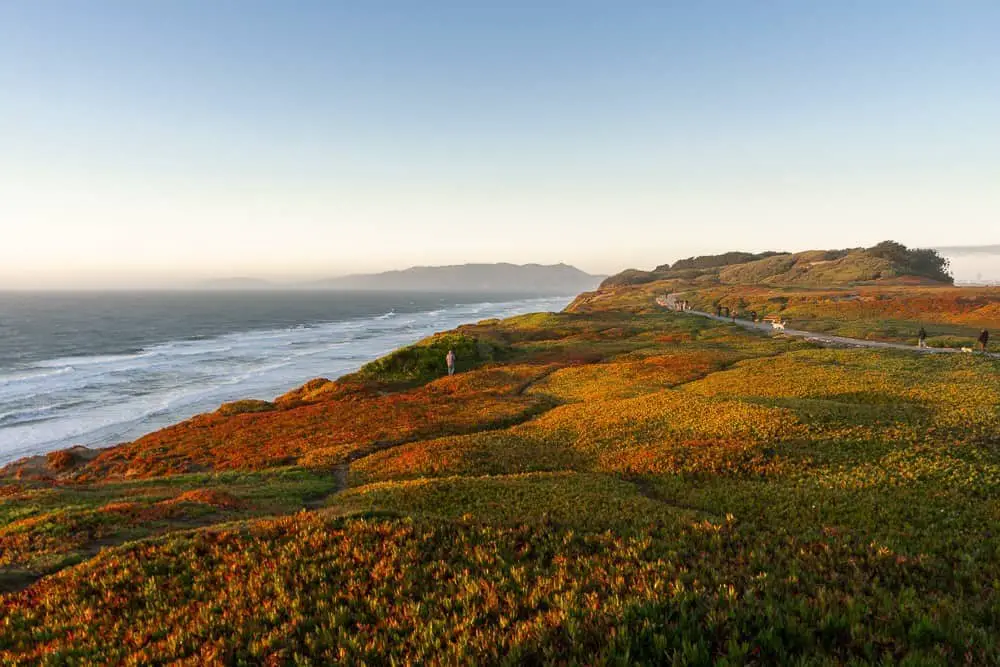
(102,400)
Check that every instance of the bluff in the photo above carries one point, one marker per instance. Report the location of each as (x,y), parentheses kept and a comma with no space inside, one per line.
(883,263)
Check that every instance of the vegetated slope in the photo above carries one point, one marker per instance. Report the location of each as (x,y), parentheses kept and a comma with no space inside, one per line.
(884,262)
(951,316)
(618,484)
(890,309)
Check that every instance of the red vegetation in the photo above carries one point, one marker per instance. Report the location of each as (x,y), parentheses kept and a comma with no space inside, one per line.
(212,497)
(973,307)
(60,461)
(329,431)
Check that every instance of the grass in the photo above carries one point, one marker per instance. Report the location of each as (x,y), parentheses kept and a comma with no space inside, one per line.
(307,589)
(952,316)
(537,498)
(44,528)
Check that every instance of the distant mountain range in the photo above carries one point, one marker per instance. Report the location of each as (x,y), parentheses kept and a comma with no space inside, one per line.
(500,277)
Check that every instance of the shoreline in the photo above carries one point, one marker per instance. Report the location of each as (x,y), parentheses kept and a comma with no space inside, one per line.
(273,362)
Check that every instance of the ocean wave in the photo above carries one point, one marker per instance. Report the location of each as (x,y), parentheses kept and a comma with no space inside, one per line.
(33,375)
(91,360)
(32,414)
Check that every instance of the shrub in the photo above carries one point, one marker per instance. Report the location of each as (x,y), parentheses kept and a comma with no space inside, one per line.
(949,341)
(212,497)
(725,259)
(245,406)
(630,277)
(425,361)
(923,262)
(61,460)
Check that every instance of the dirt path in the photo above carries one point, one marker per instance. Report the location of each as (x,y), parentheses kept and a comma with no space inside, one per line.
(823,339)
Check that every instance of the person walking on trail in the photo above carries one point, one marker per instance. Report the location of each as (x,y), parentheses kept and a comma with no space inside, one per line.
(718,311)
(450,360)
(753,316)
(984,340)
(921,338)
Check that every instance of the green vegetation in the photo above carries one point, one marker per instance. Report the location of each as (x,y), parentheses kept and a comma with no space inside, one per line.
(886,262)
(925,263)
(615,484)
(420,363)
(245,406)
(46,527)
(951,316)
(716,261)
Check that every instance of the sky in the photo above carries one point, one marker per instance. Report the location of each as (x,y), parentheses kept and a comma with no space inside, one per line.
(160,142)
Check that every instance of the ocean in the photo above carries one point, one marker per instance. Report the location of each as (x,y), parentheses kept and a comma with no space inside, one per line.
(97,369)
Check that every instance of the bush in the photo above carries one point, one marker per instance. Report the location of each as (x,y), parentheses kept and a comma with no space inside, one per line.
(630,277)
(245,406)
(923,262)
(61,460)
(949,341)
(725,259)
(425,360)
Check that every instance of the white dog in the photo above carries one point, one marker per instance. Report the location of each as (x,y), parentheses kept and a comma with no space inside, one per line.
(778,325)
(967,349)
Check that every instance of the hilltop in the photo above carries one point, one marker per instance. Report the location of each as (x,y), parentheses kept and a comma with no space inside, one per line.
(616,483)
(886,263)
(500,277)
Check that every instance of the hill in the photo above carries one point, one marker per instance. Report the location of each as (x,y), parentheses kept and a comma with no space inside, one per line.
(883,263)
(501,277)
(613,484)
(238,283)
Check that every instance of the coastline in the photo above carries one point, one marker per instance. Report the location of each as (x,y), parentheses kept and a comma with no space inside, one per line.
(578,465)
(134,394)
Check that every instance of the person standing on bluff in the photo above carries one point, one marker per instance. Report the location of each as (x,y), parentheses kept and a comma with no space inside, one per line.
(450,360)
(921,338)
(984,339)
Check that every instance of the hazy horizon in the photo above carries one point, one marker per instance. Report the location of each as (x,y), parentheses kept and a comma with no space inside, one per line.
(968,264)
(155,144)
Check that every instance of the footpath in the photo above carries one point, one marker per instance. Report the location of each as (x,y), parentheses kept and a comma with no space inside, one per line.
(824,339)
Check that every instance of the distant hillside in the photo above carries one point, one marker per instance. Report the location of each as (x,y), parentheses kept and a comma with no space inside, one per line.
(237,283)
(885,262)
(961,250)
(502,277)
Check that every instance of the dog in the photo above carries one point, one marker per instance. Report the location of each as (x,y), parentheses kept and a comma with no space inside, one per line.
(967,349)
(778,325)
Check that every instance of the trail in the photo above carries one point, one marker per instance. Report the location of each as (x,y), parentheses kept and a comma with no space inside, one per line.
(644,488)
(824,339)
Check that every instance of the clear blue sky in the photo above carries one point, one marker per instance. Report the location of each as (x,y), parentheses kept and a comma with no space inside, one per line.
(148,141)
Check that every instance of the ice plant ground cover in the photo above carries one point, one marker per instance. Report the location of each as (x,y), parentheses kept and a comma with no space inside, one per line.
(613,484)
(951,316)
